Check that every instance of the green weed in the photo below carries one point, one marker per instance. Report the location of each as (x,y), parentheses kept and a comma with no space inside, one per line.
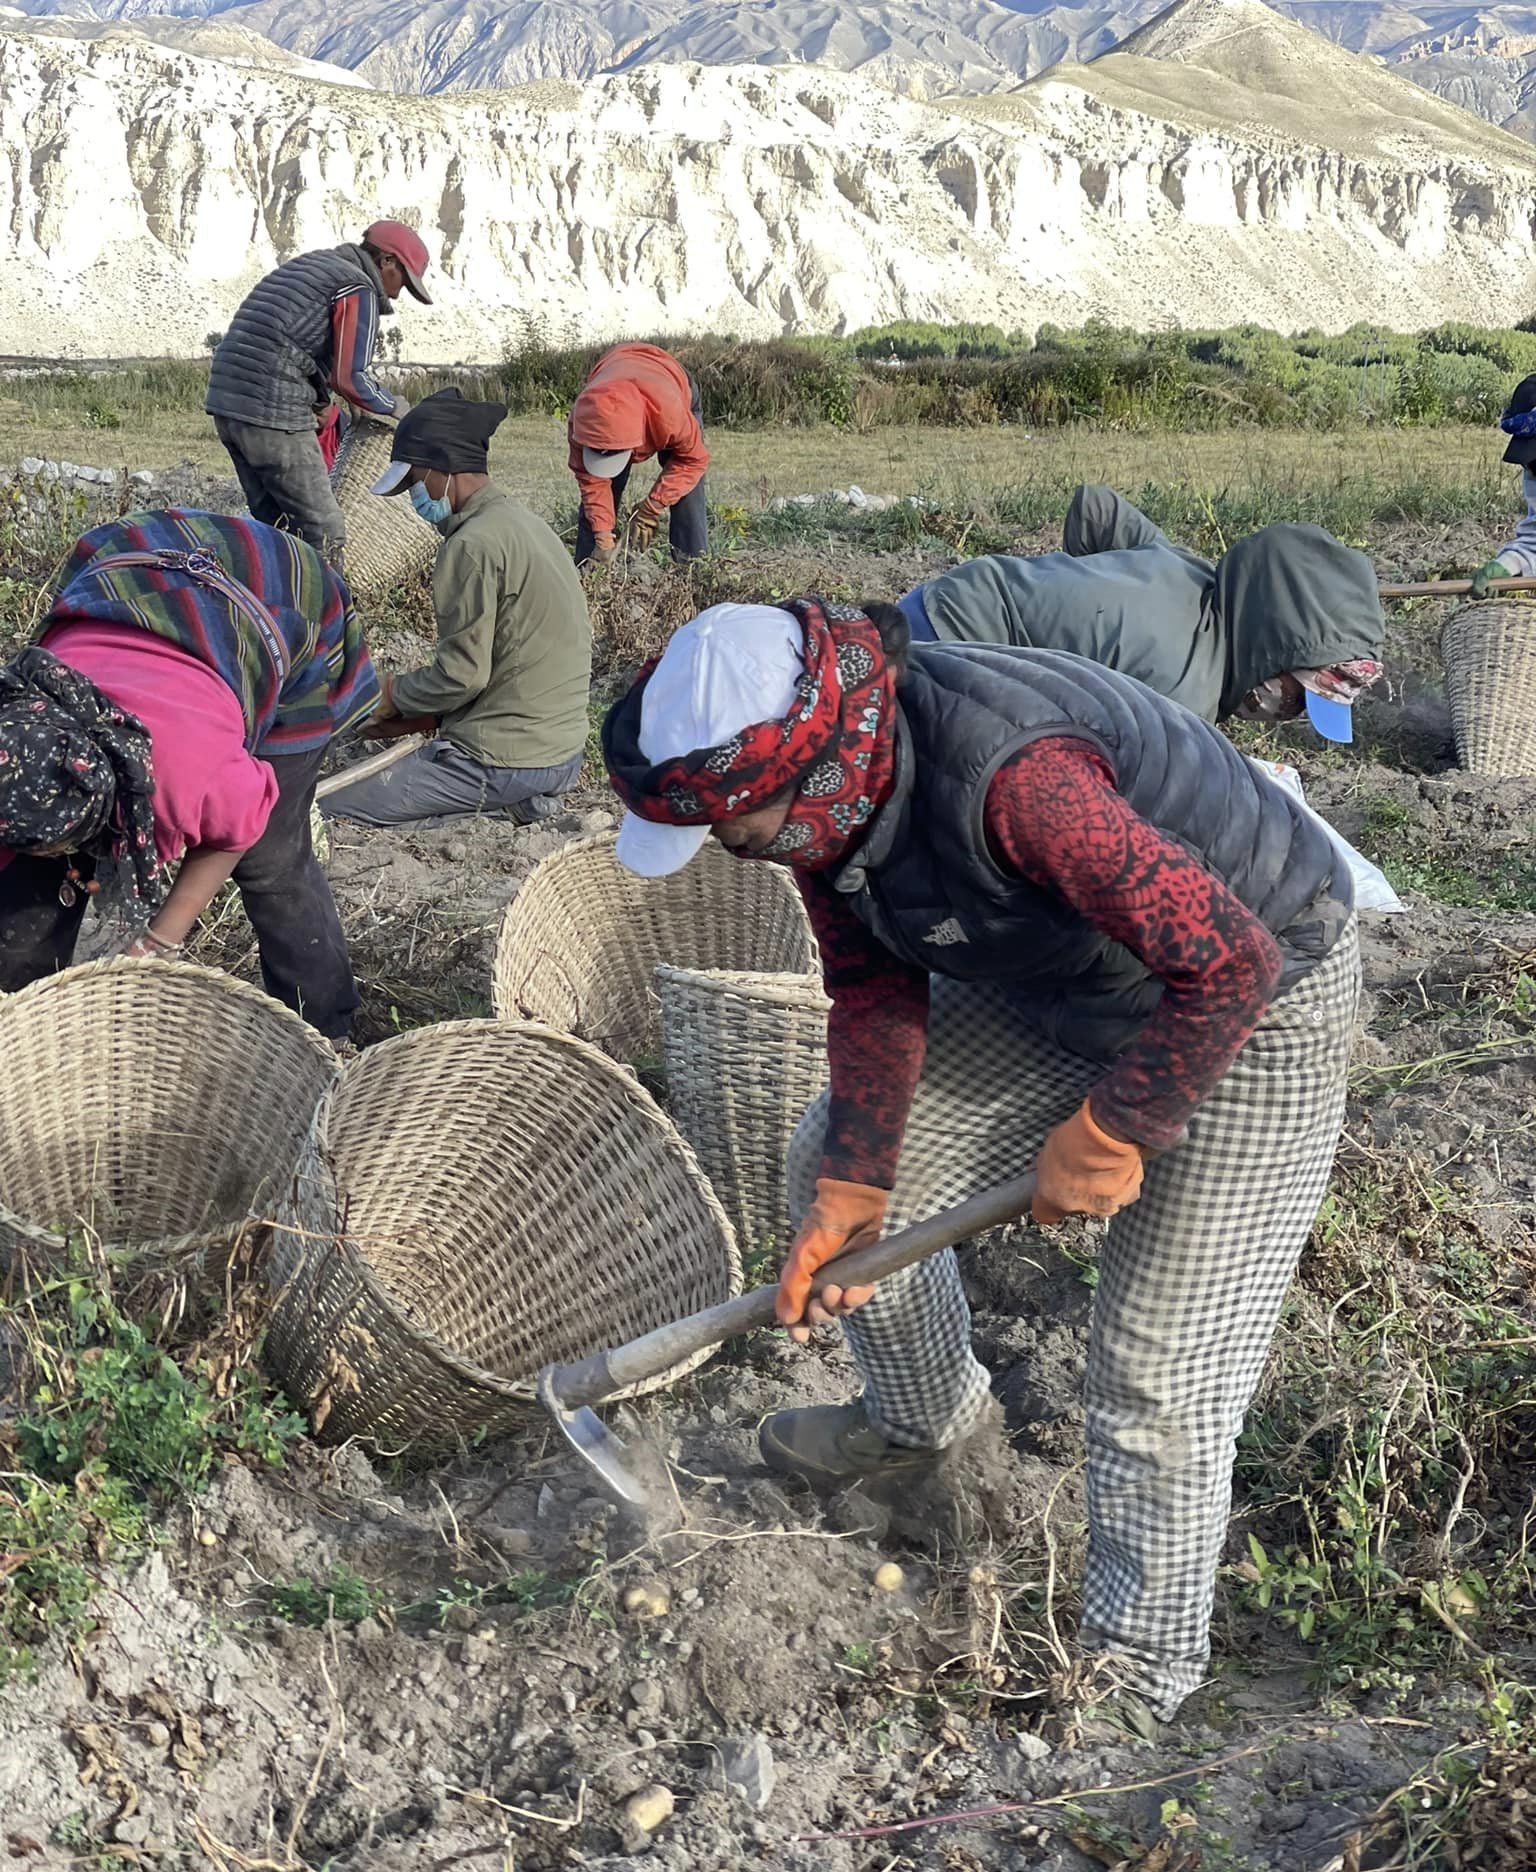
(341,1595)
(1474,1803)
(1506,880)
(112,1430)
(1374,1470)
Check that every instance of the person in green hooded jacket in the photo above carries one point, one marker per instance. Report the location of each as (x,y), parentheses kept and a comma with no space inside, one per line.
(1288,620)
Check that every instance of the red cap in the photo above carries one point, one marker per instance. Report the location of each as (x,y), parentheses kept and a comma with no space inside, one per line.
(405,245)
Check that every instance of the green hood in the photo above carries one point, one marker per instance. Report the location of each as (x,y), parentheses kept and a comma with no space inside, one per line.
(1292,597)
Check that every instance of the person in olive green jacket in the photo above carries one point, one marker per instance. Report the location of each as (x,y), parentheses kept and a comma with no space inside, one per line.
(508,685)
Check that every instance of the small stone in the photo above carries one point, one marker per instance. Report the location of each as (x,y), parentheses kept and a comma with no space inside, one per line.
(135,1829)
(511,1541)
(646,1695)
(157,1735)
(207,1538)
(747,1762)
(650,1808)
(107,477)
(141,477)
(32,464)
(461,1618)
(889,1577)
(1032,1747)
(368,1631)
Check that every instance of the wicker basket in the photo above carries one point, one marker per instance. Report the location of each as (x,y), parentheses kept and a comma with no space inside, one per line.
(744,1055)
(157,1103)
(1489,650)
(580,941)
(387,540)
(477,1199)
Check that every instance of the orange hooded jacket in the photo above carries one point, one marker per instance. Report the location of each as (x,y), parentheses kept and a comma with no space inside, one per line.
(636,397)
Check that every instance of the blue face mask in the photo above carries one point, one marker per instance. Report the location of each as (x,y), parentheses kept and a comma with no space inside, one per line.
(434,512)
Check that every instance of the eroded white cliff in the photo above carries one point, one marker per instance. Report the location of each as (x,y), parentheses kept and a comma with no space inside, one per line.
(142,190)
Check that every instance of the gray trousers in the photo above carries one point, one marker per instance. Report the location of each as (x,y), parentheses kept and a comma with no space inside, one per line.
(1191,1280)
(283,477)
(441,781)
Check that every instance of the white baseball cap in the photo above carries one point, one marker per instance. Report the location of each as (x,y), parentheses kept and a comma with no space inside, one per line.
(606,463)
(729,667)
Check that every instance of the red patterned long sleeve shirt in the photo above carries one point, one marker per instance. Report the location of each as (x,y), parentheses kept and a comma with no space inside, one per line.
(1053,816)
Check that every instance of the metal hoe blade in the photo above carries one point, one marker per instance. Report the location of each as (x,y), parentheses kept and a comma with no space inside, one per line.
(593,1442)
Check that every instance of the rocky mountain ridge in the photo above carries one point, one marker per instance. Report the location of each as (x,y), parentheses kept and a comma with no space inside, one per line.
(1482,59)
(146,188)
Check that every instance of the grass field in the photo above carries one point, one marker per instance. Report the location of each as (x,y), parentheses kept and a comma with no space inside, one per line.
(752,468)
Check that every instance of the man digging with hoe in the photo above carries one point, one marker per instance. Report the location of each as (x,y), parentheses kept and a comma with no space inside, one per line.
(1062,921)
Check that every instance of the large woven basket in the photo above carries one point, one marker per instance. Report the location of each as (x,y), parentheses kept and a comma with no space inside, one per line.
(153,1103)
(744,1055)
(478,1199)
(580,941)
(387,540)
(1489,650)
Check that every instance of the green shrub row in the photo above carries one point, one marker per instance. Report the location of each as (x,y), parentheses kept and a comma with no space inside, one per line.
(966,376)
(970,375)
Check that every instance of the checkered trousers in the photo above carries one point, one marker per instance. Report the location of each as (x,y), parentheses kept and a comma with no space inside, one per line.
(1191,1279)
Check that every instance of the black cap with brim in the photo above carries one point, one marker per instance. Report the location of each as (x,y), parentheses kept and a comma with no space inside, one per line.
(446,431)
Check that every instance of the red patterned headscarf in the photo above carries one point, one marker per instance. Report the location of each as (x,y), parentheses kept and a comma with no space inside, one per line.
(835,747)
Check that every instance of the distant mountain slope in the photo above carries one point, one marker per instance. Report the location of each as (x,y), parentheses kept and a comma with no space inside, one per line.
(1480,58)
(1239,64)
(920,47)
(216,38)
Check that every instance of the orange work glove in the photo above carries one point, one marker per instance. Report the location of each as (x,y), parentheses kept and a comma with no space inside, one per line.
(844,1215)
(643,523)
(1082,1170)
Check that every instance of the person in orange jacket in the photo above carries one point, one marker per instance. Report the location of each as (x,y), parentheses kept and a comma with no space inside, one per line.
(638,401)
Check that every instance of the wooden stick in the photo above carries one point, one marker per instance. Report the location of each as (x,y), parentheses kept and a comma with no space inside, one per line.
(600,1374)
(1456,588)
(366,769)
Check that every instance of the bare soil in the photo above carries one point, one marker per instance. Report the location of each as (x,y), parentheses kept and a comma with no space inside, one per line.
(505,1700)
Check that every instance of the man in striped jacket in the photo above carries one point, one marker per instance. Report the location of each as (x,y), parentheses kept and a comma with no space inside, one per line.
(305,332)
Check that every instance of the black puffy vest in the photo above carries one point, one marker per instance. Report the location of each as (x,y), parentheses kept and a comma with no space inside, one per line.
(925,883)
(273,365)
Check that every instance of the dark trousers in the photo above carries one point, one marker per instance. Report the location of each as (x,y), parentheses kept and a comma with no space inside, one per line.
(285,892)
(687,522)
(284,479)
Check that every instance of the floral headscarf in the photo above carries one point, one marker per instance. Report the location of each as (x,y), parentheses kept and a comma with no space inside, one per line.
(76,771)
(834,747)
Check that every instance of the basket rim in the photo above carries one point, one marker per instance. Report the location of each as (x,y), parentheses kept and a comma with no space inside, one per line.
(778,987)
(504,1031)
(62,980)
(593,841)
(28,1229)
